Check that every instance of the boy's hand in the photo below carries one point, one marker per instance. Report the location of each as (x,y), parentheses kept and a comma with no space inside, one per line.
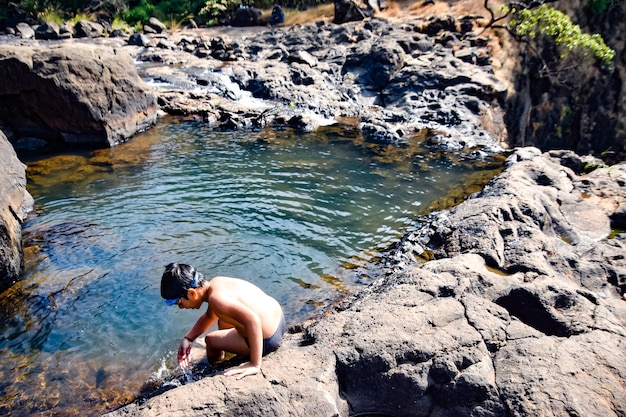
(242,370)
(184,351)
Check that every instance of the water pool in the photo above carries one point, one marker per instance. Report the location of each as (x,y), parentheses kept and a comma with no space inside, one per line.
(300,215)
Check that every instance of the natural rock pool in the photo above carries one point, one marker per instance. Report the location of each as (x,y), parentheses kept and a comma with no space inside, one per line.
(300,215)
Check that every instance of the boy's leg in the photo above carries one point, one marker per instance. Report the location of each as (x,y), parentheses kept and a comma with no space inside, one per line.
(227,340)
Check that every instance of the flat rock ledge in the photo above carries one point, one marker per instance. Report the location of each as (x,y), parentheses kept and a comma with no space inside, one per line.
(509,304)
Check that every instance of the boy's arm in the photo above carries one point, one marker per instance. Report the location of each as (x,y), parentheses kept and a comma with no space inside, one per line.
(203,324)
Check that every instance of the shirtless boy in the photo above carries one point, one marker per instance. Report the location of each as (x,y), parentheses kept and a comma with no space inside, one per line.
(250,322)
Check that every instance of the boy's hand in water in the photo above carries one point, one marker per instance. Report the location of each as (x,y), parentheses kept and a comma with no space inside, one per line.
(242,370)
(184,351)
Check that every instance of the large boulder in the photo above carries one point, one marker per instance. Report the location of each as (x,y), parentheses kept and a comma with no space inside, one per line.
(15,203)
(73,95)
(521,315)
(351,11)
(88,29)
(47,31)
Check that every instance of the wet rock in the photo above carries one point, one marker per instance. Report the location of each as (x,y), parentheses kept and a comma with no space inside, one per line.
(387,74)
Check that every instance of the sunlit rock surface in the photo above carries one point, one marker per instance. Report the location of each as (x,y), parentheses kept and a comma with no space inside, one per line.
(72,95)
(509,304)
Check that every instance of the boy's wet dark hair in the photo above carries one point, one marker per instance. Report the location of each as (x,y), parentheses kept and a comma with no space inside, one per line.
(177,279)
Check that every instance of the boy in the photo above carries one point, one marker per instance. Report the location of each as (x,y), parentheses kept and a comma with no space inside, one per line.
(250,322)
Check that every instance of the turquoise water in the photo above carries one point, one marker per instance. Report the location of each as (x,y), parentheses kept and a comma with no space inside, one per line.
(298,215)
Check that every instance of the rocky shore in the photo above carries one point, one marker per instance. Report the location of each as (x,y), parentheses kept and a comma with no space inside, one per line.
(506,305)
(510,304)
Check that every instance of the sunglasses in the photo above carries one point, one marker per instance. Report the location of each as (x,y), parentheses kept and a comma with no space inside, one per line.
(172,302)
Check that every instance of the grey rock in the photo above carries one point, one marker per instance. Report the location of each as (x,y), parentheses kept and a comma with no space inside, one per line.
(156,25)
(138,39)
(507,321)
(72,94)
(385,74)
(88,29)
(25,31)
(15,204)
(47,31)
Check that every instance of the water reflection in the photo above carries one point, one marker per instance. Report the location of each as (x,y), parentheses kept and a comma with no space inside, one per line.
(300,216)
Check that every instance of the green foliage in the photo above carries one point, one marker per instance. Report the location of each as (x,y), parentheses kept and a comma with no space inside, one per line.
(548,21)
(139,14)
(213,10)
(176,11)
(50,14)
(599,6)
(32,6)
(119,24)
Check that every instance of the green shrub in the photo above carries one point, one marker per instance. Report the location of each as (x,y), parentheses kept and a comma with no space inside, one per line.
(214,10)
(599,6)
(548,21)
(119,24)
(139,14)
(49,14)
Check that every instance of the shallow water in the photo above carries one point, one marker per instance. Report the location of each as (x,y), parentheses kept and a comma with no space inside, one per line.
(298,215)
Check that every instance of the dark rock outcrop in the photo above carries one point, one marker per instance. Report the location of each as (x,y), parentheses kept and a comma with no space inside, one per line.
(246,16)
(517,313)
(73,95)
(351,11)
(48,31)
(88,29)
(574,102)
(15,204)
(16,15)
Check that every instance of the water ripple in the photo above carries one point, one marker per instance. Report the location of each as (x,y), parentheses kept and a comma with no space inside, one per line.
(284,211)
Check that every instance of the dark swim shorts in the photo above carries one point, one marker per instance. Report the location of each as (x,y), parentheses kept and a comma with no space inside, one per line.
(271,343)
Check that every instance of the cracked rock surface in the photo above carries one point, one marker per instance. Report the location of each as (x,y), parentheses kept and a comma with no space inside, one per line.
(519,312)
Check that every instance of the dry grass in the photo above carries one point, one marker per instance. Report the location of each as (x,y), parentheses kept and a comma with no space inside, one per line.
(323,12)
(402,9)
(396,10)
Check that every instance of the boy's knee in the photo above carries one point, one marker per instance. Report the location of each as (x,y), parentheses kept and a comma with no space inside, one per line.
(210,343)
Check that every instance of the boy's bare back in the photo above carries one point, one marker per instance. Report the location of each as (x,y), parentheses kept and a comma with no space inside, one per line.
(228,296)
